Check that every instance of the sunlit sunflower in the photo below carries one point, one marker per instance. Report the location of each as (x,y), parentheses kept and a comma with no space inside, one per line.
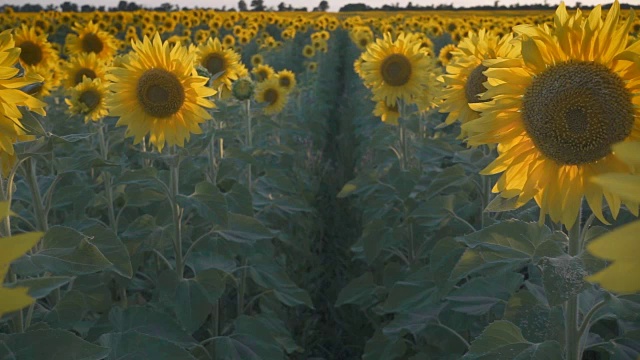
(225,63)
(83,65)
(89,99)
(446,54)
(556,112)
(256,60)
(464,81)
(35,50)
(388,114)
(286,80)
(395,70)
(262,72)
(270,92)
(157,91)
(11,98)
(91,40)
(50,81)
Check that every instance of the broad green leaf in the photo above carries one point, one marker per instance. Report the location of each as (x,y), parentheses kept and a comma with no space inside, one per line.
(15,246)
(70,310)
(232,348)
(14,299)
(444,257)
(500,204)
(480,295)
(208,202)
(52,344)
(145,176)
(191,304)
(259,338)
(360,291)
(415,320)
(562,277)
(111,247)
(277,328)
(150,323)
(380,347)
(407,295)
(133,345)
(67,252)
(41,287)
(213,282)
(271,276)
(245,229)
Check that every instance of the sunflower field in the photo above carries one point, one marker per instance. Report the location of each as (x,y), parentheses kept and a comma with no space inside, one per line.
(417,185)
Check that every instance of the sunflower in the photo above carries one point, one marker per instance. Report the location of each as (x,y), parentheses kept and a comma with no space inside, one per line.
(225,63)
(50,81)
(446,54)
(620,246)
(157,91)
(89,99)
(263,72)
(270,92)
(286,80)
(395,70)
(557,110)
(11,97)
(465,78)
(308,51)
(90,39)
(35,50)
(256,60)
(83,65)
(312,66)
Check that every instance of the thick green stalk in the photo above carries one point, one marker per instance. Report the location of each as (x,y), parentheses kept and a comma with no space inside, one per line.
(572,337)
(106,176)
(249,141)
(174,165)
(38,206)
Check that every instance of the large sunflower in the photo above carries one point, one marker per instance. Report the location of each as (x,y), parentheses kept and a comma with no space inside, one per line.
(396,70)
(556,112)
(157,91)
(464,81)
(89,99)
(11,97)
(225,63)
(35,49)
(90,39)
(83,65)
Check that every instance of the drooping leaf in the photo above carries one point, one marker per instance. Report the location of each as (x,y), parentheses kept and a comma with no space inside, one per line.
(191,304)
(52,344)
(245,229)
(381,347)
(41,287)
(136,345)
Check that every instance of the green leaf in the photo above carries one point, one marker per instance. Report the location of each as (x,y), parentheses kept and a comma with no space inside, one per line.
(228,348)
(191,304)
(67,252)
(111,247)
(145,176)
(407,295)
(70,310)
(208,202)
(444,256)
(500,204)
(536,320)
(150,323)
(213,282)
(346,190)
(52,344)
(480,295)
(254,334)
(41,287)
(134,345)
(245,229)
(359,291)
(271,276)
(562,277)
(414,320)
(380,347)
(498,334)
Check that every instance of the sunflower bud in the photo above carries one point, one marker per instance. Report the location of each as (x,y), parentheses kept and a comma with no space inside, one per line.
(243,88)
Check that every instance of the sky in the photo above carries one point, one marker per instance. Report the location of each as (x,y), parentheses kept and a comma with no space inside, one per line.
(334,5)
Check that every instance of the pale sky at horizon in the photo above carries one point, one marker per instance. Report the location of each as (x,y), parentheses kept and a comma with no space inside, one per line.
(334,5)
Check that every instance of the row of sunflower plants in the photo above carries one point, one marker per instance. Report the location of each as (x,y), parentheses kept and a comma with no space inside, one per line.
(448,269)
(189,242)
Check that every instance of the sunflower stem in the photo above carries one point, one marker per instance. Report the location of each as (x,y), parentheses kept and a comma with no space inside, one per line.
(106,178)
(174,165)
(572,335)
(36,196)
(249,140)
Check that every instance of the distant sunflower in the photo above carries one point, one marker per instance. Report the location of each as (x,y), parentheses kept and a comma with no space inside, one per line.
(446,54)
(91,40)
(270,92)
(83,65)
(89,99)
(312,66)
(50,81)
(308,51)
(157,91)
(557,111)
(225,63)
(395,70)
(263,72)
(256,60)
(464,81)
(34,50)
(286,80)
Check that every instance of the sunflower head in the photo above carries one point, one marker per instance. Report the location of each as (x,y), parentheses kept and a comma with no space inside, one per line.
(90,39)
(263,72)
(157,91)
(243,88)
(270,93)
(286,80)
(223,64)
(81,66)
(88,99)
(35,50)
(559,109)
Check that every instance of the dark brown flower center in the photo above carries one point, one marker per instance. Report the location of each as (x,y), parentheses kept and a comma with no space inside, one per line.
(91,43)
(474,86)
(214,63)
(575,111)
(160,93)
(31,53)
(396,70)
(271,96)
(90,99)
(80,74)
